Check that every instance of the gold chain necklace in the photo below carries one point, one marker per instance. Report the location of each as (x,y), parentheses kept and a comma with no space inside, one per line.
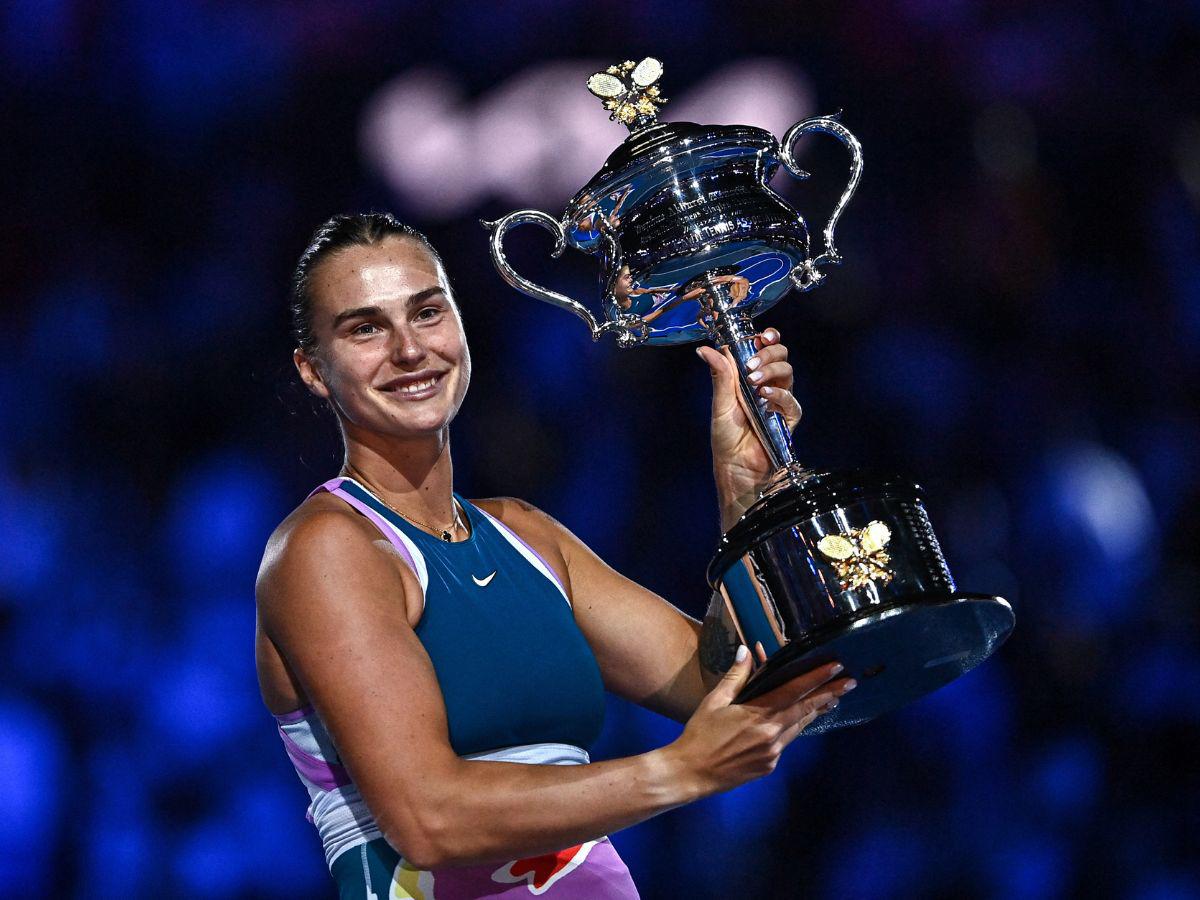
(444,533)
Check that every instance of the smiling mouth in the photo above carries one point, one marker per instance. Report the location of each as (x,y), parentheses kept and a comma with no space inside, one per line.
(417,390)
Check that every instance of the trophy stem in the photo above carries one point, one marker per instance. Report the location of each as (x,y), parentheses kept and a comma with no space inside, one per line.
(732,327)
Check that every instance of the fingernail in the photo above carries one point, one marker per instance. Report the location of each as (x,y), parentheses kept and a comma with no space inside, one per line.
(753,363)
(765,391)
(756,376)
(849,686)
(742,652)
(832,703)
(837,667)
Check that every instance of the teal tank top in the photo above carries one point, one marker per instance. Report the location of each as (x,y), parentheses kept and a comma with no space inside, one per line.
(513,666)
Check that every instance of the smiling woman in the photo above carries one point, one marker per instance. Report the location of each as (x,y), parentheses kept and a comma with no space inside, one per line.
(377,282)
(445,752)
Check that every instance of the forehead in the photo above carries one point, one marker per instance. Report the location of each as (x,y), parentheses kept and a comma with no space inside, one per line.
(390,270)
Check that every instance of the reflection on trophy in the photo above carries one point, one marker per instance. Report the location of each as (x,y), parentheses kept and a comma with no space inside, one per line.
(693,244)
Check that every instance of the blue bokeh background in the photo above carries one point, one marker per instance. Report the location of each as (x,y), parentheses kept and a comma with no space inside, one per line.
(1017,325)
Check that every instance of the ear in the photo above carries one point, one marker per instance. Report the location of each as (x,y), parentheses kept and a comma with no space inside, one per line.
(310,373)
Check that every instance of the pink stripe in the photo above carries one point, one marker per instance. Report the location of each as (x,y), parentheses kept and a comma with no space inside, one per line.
(295,715)
(549,568)
(333,485)
(327,486)
(381,524)
(325,775)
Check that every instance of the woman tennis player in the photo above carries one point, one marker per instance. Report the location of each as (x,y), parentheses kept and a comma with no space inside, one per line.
(437,666)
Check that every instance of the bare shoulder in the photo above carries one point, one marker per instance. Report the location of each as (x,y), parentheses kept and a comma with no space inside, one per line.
(520,514)
(322,542)
(312,530)
(535,526)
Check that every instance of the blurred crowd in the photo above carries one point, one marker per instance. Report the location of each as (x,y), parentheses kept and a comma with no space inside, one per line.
(1016,326)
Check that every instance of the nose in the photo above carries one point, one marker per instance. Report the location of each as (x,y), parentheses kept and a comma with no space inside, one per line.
(407,348)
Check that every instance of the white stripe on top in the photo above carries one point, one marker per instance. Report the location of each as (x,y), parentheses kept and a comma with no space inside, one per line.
(526,551)
(417,556)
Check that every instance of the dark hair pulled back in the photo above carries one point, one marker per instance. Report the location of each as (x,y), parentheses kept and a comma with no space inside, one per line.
(338,233)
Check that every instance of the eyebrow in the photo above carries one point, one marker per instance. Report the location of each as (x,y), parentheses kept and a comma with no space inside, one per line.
(362,311)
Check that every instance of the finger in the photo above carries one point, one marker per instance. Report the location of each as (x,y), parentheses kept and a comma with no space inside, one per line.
(763,359)
(823,707)
(732,681)
(788,693)
(769,336)
(783,402)
(724,376)
(759,653)
(727,393)
(768,354)
(804,714)
(776,374)
(720,366)
(816,704)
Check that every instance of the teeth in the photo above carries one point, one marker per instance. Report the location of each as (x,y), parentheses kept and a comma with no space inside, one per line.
(416,387)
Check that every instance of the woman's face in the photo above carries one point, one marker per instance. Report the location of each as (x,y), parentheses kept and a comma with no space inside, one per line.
(391,354)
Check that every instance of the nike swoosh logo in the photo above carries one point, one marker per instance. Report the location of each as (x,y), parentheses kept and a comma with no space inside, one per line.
(483,582)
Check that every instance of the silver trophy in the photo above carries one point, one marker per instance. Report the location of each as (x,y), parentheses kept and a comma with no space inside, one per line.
(693,244)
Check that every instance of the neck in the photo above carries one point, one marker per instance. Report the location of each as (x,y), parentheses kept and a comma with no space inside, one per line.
(415,475)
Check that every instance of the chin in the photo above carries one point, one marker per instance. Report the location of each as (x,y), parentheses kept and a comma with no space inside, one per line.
(426,423)
(403,419)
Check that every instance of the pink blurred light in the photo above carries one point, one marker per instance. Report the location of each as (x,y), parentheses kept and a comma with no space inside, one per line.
(542,136)
(417,134)
(766,93)
(538,137)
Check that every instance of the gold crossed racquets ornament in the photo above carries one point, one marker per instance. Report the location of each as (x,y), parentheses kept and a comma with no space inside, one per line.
(629,90)
(858,557)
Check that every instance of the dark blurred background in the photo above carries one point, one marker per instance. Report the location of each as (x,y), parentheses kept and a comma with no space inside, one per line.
(1016,325)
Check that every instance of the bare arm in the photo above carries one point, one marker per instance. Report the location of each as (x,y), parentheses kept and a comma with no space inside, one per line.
(649,651)
(332,600)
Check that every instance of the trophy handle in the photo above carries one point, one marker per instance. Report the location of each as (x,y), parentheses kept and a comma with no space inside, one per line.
(806,276)
(629,329)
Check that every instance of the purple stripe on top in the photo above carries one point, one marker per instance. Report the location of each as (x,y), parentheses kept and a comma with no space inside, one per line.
(382,525)
(333,485)
(327,486)
(295,715)
(325,775)
(538,556)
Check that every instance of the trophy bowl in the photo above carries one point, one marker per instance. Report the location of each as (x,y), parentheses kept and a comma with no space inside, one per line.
(722,217)
(693,244)
(676,202)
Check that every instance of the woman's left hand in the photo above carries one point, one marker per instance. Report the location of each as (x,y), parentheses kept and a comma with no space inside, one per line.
(740,463)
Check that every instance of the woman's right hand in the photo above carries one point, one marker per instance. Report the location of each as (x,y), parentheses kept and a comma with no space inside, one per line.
(725,744)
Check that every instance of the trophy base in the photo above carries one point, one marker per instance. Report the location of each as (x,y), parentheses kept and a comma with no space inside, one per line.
(897,654)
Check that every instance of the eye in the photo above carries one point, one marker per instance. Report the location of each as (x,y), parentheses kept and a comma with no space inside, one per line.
(358,329)
(429,312)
